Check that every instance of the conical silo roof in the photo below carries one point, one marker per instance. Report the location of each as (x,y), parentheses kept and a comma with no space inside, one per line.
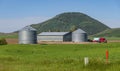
(28,28)
(79,31)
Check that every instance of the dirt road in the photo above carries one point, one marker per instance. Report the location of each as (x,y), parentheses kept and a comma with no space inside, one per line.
(15,41)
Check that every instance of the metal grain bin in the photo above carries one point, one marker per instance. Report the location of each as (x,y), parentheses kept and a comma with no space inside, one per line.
(79,36)
(27,35)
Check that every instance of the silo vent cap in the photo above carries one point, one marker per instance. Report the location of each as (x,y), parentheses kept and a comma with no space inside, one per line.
(28,28)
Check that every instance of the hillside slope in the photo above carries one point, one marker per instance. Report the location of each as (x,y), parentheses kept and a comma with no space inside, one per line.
(115,32)
(69,22)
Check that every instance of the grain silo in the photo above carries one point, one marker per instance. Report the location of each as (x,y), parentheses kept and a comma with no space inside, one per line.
(79,36)
(27,35)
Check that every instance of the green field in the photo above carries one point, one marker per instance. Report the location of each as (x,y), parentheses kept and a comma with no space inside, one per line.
(59,57)
(12,35)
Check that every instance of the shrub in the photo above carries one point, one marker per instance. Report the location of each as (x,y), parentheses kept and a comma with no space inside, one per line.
(3,41)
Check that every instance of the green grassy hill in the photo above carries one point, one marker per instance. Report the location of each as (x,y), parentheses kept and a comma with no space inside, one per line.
(69,22)
(115,32)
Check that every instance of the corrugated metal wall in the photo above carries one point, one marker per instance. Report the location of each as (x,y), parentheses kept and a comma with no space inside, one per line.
(79,36)
(66,37)
(50,38)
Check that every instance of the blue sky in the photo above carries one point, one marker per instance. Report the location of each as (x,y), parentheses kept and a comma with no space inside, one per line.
(15,14)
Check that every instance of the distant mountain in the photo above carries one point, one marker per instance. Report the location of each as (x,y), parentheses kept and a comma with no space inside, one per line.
(115,32)
(71,21)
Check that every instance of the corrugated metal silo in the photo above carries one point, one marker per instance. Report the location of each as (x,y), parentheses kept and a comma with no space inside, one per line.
(79,36)
(27,35)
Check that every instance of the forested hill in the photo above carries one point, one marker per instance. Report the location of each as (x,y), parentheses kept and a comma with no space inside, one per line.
(70,21)
(115,32)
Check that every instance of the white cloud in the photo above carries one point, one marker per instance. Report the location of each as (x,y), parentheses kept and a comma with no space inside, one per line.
(10,25)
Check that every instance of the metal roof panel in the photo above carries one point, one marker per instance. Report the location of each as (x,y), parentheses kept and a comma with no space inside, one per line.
(53,33)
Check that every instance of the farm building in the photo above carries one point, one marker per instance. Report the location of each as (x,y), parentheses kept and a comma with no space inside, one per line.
(54,36)
(27,35)
(79,36)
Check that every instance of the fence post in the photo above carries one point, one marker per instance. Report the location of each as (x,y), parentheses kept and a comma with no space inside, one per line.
(107,56)
(86,61)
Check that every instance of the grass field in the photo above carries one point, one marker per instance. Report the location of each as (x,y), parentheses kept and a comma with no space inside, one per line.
(11,35)
(59,57)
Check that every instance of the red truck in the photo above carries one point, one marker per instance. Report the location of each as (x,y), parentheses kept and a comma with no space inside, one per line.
(100,40)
